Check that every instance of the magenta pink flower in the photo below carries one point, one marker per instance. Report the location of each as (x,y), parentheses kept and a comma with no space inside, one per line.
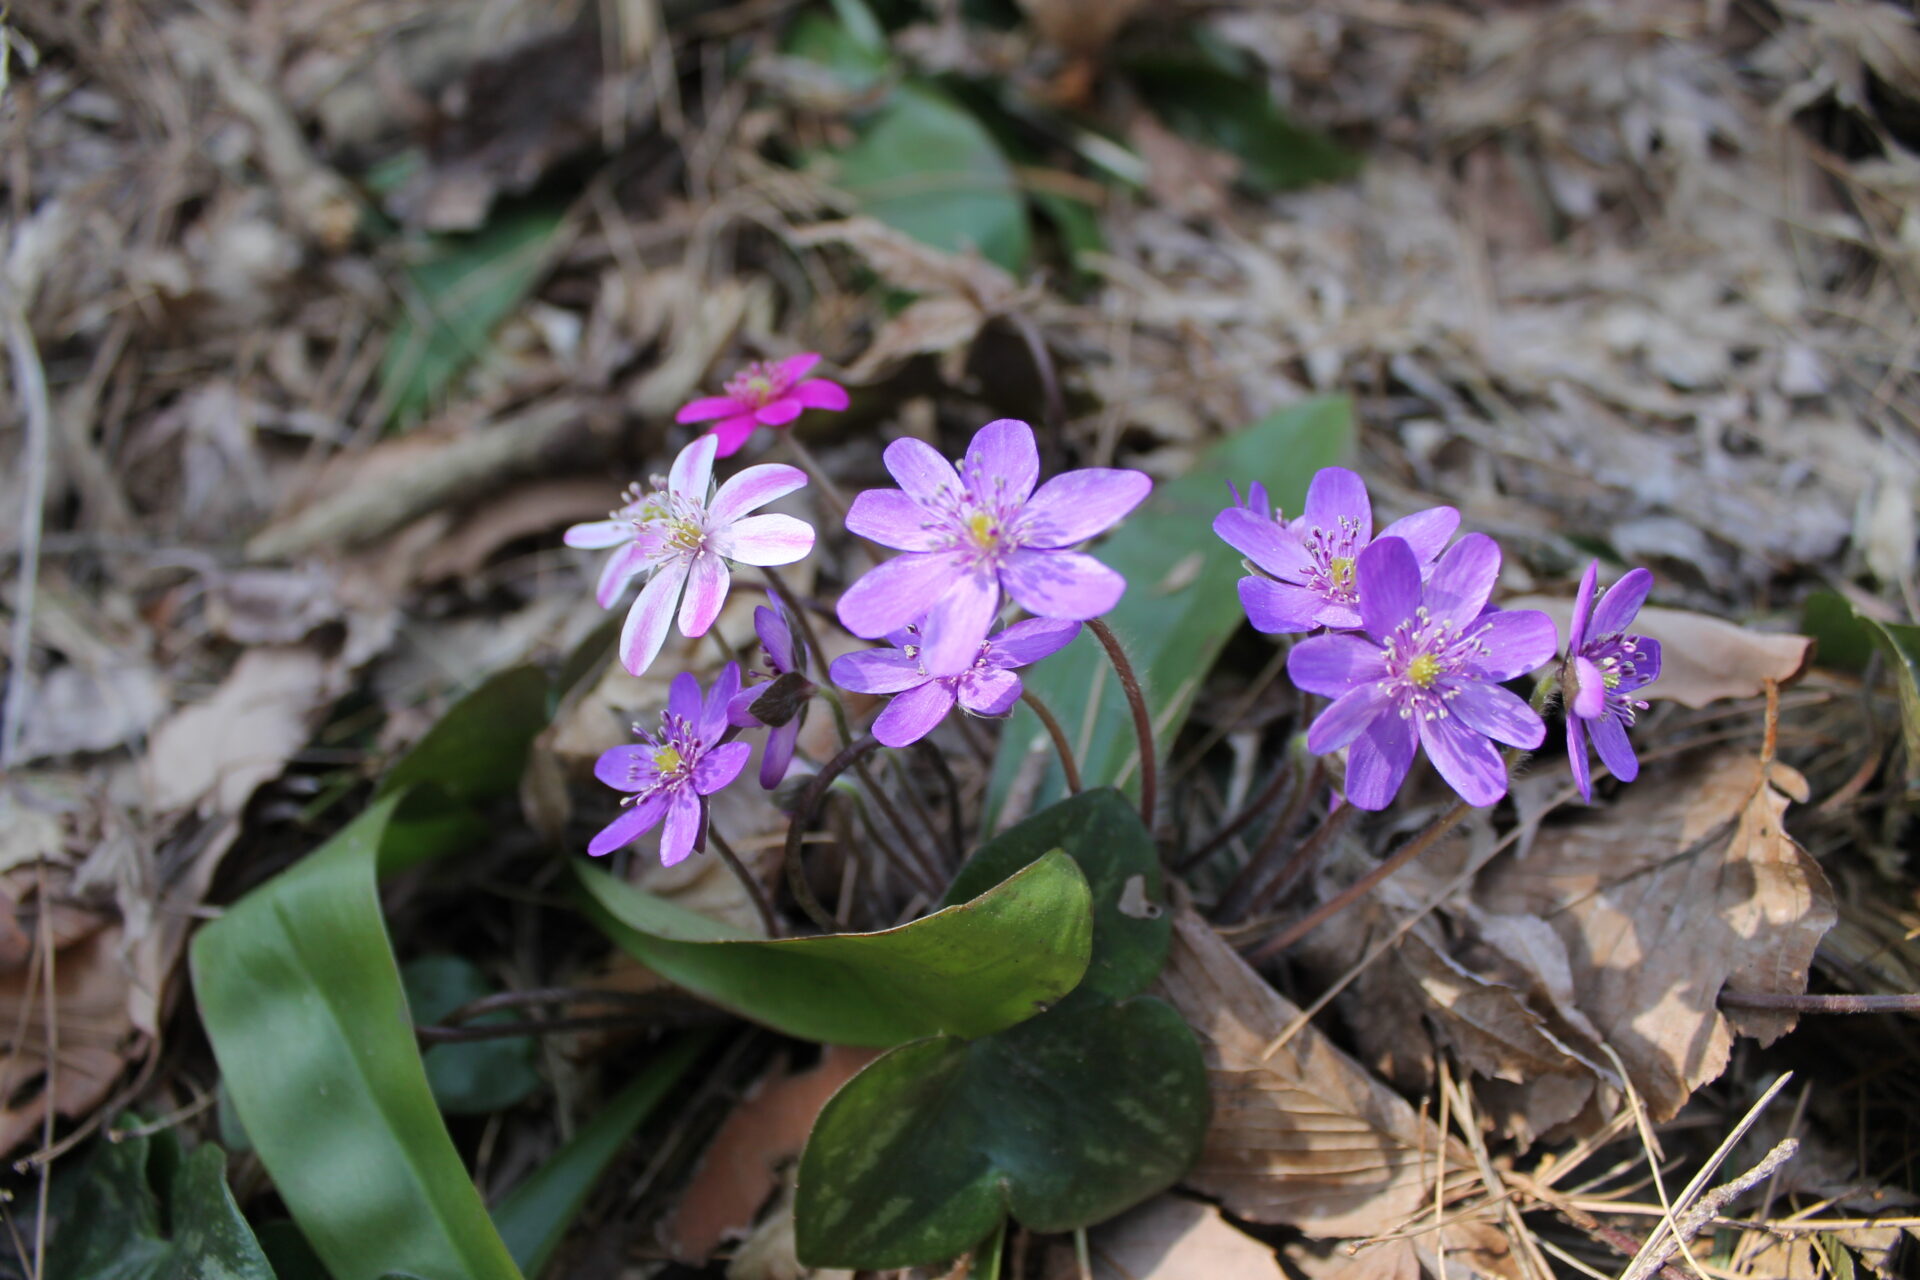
(670,773)
(922,700)
(768,393)
(971,534)
(683,538)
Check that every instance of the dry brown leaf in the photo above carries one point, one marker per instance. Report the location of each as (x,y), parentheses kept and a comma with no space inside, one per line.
(1169,1238)
(940,323)
(1390,1260)
(91,1025)
(1305,1136)
(770,1253)
(1702,659)
(84,708)
(1082,27)
(214,753)
(527,510)
(1687,885)
(741,1167)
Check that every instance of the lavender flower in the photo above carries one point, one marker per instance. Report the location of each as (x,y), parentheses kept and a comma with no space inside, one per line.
(670,774)
(683,538)
(988,687)
(1603,670)
(786,659)
(970,535)
(764,394)
(1427,671)
(1307,576)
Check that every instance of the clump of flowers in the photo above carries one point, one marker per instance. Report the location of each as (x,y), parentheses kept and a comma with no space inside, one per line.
(972,534)
(1307,567)
(1426,671)
(922,699)
(1604,668)
(778,698)
(671,771)
(769,393)
(682,535)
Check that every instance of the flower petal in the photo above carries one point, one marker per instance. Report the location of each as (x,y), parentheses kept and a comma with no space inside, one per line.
(709,407)
(1378,761)
(1002,461)
(913,715)
(706,592)
(876,671)
(1333,665)
(693,468)
(1646,664)
(1351,714)
(1514,642)
(1388,576)
(1425,531)
(819,393)
(1338,495)
(720,766)
(1470,764)
(628,767)
(645,629)
(1617,608)
(1589,689)
(957,626)
(731,433)
(713,713)
(778,413)
(1061,584)
(1267,543)
(683,697)
(1610,740)
(1076,506)
(682,829)
(1577,757)
(777,638)
(893,519)
(597,535)
(1029,641)
(990,692)
(777,756)
(740,708)
(1583,608)
(927,477)
(628,827)
(764,539)
(1462,581)
(1279,608)
(1498,713)
(753,488)
(896,592)
(617,572)
(797,366)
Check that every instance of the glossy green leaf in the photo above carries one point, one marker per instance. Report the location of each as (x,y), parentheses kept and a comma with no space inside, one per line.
(477,1076)
(1061,1122)
(453,300)
(1842,639)
(1221,107)
(140,1209)
(1181,602)
(477,749)
(534,1217)
(1101,831)
(967,970)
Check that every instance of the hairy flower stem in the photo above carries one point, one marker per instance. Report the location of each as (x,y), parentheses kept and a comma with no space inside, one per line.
(1060,744)
(1276,786)
(1142,721)
(1359,888)
(1043,367)
(748,881)
(803,816)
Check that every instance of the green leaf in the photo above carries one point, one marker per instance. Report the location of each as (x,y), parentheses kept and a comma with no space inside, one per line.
(1062,1122)
(966,970)
(478,1076)
(1101,832)
(453,300)
(1231,110)
(1900,641)
(140,1210)
(857,65)
(534,1217)
(479,746)
(1181,603)
(1844,640)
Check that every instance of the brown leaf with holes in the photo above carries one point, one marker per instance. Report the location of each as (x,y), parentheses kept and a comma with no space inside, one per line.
(1304,1136)
(1702,659)
(1688,884)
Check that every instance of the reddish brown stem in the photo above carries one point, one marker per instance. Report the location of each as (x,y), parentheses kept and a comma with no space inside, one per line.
(1142,721)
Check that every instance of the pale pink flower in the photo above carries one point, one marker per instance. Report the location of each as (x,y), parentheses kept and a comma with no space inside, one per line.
(768,393)
(683,538)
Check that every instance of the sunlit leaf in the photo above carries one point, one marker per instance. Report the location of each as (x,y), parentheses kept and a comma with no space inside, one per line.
(969,969)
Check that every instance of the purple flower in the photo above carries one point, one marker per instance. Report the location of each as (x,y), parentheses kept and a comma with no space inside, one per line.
(1427,671)
(764,394)
(1602,671)
(684,539)
(785,655)
(1307,576)
(671,772)
(970,535)
(986,688)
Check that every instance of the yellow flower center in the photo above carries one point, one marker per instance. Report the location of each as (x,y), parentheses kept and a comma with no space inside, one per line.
(981,525)
(1611,679)
(1342,567)
(668,759)
(1423,671)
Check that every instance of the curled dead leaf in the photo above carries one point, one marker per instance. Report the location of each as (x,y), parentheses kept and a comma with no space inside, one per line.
(1702,659)
(214,753)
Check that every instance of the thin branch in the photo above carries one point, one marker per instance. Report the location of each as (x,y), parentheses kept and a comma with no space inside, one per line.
(748,881)
(1142,720)
(1060,744)
(1785,1002)
(1262,894)
(1248,812)
(956,817)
